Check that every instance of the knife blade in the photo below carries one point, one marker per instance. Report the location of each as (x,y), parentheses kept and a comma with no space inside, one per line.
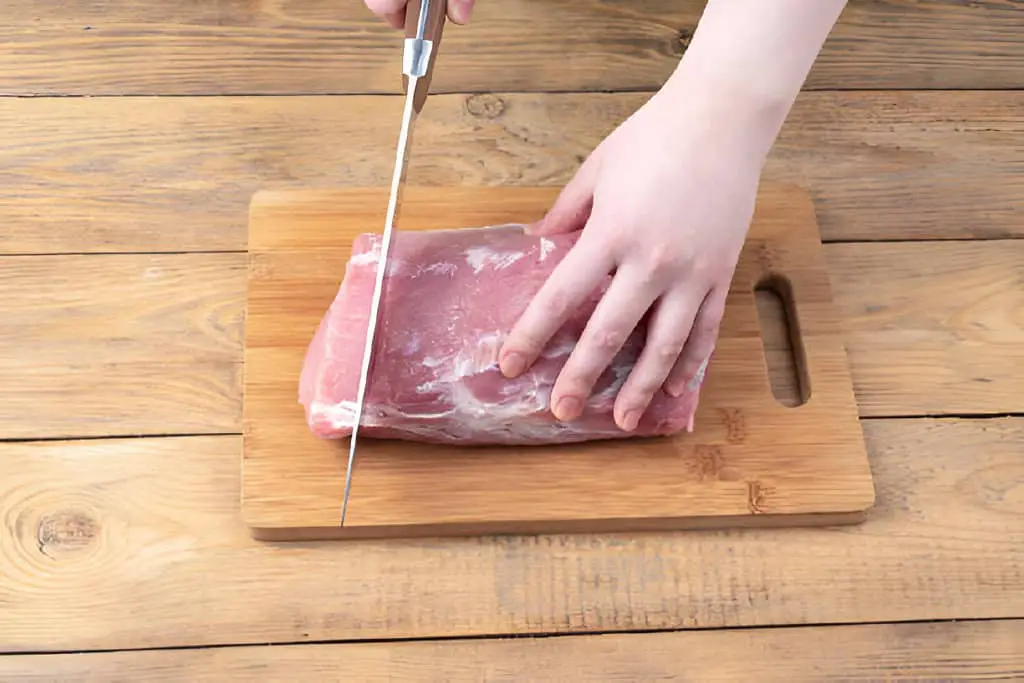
(424,24)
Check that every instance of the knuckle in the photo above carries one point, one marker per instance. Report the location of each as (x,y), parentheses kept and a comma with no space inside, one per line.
(695,359)
(555,303)
(645,382)
(616,241)
(692,365)
(667,260)
(704,334)
(609,339)
(655,377)
(668,353)
(648,278)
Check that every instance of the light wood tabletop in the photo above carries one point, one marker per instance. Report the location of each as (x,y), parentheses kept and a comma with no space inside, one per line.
(133,138)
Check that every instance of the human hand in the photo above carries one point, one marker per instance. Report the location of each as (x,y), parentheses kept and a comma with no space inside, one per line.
(664,203)
(393,11)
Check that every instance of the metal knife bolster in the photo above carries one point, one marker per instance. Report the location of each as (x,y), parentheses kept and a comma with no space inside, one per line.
(424,26)
(416,57)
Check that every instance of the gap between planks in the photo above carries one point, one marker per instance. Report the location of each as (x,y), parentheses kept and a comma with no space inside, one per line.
(541,635)
(923,240)
(951,649)
(824,240)
(244,251)
(467,92)
(123,437)
(967,417)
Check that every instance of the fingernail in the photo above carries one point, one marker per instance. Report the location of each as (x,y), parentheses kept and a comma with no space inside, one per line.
(630,420)
(568,408)
(512,365)
(698,378)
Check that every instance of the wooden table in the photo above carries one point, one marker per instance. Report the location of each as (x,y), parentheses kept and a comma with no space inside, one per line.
(121,296)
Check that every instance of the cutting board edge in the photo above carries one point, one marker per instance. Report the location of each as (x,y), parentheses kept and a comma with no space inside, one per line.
(857,502)
(285,534)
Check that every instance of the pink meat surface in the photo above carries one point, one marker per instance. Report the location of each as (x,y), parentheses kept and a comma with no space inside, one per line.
(450,298)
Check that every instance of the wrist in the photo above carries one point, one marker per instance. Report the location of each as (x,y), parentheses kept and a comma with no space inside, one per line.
(746,64)
(730,113)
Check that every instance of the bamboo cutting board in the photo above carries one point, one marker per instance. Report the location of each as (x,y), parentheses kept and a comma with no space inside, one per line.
(751,460)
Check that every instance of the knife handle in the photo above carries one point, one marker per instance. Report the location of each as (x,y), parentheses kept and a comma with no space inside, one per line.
(422,40)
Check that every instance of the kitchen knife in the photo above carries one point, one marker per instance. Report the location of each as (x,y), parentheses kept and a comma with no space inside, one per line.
(424,24)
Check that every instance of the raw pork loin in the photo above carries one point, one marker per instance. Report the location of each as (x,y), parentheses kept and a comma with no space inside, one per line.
(450,297)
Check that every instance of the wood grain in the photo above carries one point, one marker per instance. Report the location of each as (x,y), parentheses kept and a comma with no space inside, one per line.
(326,46)
(139,543)
(751,462)
(990,650)
(956,311)
(99,345)
(136,344)
(176,174)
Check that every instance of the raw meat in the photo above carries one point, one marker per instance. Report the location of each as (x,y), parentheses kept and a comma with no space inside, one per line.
(450,297)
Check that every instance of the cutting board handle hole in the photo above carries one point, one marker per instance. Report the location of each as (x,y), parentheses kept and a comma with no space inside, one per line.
(784,352)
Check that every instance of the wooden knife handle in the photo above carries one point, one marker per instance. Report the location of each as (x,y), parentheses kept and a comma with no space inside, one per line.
(431,30)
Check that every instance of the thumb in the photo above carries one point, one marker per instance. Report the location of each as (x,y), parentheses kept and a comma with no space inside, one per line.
(459,10)
(572,208)
(391,11)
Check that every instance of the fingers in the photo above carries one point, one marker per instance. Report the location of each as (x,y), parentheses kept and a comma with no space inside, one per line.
(392,11)
(571,210)
(666,335)
(688,373)
(617,314)
(565,290)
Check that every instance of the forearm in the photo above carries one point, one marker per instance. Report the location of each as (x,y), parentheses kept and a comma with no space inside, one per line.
(748,60)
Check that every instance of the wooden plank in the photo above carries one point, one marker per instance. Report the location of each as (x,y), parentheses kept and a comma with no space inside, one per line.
(125,344)
(752,461)
(139,543)
(991,650)
(177,174)
(954,311)
(142,344)
(322,46)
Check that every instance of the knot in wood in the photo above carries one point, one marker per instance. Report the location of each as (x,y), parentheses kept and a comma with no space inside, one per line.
(485,106)
(682,41)
(64,531)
